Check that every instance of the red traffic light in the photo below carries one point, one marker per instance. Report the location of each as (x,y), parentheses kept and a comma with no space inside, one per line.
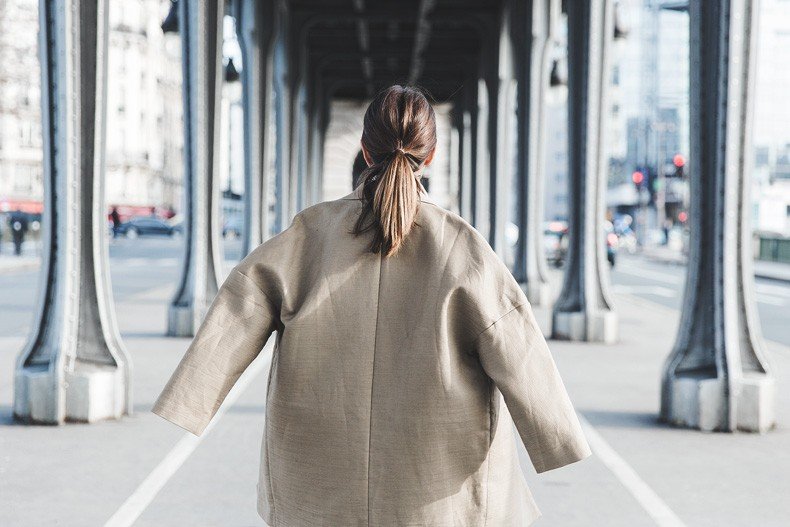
(637,177)
(679,160)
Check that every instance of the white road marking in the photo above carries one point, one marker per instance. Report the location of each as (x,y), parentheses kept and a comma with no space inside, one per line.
(673,279)
(766,293)
(771,300)
(145,262)
(644,289)
(145,493)
(641,491)
(770,289)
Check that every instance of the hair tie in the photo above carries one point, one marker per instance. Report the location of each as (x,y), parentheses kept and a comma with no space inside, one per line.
(401,150)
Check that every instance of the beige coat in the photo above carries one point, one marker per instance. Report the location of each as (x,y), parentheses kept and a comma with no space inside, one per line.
(385,398)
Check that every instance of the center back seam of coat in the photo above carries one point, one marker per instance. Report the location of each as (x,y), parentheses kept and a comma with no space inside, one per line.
(372,376)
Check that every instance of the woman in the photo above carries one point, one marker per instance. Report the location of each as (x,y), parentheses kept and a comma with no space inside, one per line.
(399,331)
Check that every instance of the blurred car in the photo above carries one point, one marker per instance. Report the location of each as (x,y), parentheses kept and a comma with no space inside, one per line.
(233,227)
(555,242)
(145,226)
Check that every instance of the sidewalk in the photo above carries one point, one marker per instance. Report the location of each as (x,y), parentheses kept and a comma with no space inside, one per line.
(29,259)
(81,475)
(762,269)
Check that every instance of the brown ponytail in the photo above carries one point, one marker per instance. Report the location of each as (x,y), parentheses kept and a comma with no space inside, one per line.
(399,133)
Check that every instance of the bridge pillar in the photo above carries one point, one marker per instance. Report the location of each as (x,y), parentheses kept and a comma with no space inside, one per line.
(316,133)
(534,29)
(473,105)
(717,376)
(74,366)
(499,77)
(462,114)
(299,146)
(583,311)
(285,206)
(200,24)
(255,26)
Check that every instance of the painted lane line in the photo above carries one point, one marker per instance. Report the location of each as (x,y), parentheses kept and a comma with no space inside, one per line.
(770,300)
(770,289)
(641,491)
(146,262)
(678,279)
(645,289)
(141,498)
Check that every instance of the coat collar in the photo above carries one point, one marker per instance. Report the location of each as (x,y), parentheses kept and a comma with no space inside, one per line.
(355,194)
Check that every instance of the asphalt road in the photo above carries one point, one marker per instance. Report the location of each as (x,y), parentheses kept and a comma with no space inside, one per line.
(643,472)
(135,266)
(145,263)
(664,284)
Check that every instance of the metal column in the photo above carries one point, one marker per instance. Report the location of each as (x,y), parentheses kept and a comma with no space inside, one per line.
(201,43)
(717,376)
(282,124)
(482,189)
(255,23)
(299,147)
(465,142)
(74,366)
(537,24)
(584,310)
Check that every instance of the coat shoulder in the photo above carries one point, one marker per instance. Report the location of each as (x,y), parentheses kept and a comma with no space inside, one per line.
(480,278)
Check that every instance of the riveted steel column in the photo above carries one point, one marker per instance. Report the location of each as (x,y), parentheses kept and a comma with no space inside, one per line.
(482,190)
(255,24)
(74,366)
(473,103)
(499,74)
(465,161)
(200,24)
(535,27)
(299,145)
(282,115)
(584,310)
(315,140)
(717,376)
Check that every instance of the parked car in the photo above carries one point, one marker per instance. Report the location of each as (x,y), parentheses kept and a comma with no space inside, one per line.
(145,226)
(555,242)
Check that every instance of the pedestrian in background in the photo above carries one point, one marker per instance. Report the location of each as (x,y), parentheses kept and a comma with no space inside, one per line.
(116,221)
(19,225)
(405,351)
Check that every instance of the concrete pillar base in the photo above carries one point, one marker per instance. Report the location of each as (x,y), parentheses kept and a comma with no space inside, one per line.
(180,321)
(700,403)
(601,326)
(91,393)
(757,403)
(538,293)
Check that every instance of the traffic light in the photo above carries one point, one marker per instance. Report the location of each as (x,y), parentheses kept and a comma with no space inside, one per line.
(680,166)
(638,177)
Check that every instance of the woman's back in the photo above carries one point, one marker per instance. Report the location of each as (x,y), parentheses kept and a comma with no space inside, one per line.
(385,390)
(376,398)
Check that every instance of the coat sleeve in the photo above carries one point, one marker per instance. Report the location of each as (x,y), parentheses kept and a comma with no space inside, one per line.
(515,355)
(234,330)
